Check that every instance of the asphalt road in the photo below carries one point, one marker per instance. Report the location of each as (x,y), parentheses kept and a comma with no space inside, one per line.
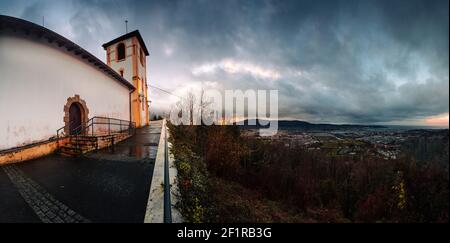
(103,186)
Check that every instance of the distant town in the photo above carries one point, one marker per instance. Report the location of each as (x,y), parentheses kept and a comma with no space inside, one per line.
(383,141)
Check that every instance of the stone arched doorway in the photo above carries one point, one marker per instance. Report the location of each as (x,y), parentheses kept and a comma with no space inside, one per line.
(76,115)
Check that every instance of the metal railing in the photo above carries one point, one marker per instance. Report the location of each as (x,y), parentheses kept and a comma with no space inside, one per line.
(167,203)
(97,126)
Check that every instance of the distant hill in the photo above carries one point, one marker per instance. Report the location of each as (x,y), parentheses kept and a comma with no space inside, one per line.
(302,125)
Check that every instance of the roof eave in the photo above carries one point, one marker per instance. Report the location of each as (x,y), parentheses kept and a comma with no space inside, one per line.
(126,36)
(30,28)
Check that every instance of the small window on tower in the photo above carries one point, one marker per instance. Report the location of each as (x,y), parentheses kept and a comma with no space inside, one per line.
(142,57)
(120,51)
(121,73)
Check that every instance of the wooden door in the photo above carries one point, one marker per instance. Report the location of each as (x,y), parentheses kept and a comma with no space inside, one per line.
(75,119)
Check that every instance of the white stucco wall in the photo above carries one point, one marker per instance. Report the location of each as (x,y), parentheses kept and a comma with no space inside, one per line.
(36,78)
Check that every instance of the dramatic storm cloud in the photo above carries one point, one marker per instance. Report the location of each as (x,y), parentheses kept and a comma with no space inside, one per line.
(332,61)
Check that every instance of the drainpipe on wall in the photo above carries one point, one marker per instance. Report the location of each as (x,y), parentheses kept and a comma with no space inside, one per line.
(129,95)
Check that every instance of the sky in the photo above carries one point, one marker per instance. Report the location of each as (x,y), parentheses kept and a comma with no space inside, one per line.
(362,62)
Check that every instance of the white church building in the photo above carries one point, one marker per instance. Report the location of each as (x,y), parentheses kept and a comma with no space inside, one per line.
(51,87)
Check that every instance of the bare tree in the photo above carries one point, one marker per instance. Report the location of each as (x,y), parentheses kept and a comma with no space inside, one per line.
(204,107)
(190,102)
(184,109)
(192,112)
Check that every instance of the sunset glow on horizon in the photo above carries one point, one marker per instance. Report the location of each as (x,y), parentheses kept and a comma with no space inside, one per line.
(440,120)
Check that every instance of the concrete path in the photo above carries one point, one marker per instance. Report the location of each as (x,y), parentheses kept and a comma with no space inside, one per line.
(104,186)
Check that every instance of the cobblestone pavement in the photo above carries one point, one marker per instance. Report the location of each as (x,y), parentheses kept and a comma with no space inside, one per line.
(44,205)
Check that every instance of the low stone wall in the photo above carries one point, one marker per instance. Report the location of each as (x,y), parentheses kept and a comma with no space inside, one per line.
(107,140)
(31,151)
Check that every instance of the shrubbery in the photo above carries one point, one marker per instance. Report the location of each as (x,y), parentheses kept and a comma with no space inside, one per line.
(310,185)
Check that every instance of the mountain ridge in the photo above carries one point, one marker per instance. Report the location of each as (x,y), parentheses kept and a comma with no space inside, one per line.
(304,125)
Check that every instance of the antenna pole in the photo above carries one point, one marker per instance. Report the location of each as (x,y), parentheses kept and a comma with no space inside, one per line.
(126,26)
(42,21)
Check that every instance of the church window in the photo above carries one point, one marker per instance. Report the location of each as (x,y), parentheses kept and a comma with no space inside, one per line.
(120,51)
(141,57)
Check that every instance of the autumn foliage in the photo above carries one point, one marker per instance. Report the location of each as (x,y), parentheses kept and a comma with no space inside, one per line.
(301,185)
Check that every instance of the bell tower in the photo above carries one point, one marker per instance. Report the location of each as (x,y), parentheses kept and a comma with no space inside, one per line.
(127,56)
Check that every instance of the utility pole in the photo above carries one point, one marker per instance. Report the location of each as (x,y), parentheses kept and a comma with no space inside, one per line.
(43,21)
(126,26)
